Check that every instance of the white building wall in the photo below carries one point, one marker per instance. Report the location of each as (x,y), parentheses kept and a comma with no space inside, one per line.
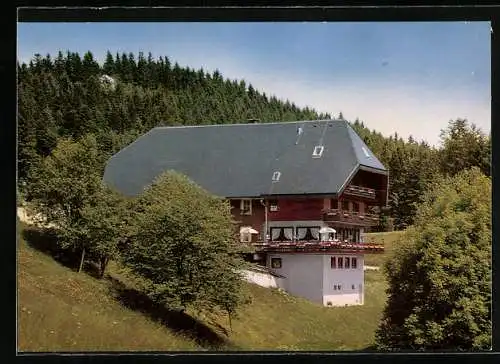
(303,274)
(346,278)
(263,279)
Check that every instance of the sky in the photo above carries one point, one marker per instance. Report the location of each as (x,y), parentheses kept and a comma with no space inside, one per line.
(406,77)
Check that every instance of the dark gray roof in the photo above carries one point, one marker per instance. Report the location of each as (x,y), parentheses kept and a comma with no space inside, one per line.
(238,160)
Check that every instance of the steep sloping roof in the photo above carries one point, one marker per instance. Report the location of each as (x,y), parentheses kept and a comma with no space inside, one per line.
(239,160)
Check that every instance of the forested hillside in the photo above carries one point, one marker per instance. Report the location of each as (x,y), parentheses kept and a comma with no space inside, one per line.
(67,96)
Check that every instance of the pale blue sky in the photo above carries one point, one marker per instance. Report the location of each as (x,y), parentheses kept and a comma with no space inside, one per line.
(406,77)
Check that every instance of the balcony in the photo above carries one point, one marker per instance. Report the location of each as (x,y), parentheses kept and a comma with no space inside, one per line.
(358,191)
(351,217)
(317,246)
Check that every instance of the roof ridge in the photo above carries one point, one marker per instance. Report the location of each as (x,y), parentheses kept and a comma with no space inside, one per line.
(353,134)
(244,124)
(349,135)
(129,145)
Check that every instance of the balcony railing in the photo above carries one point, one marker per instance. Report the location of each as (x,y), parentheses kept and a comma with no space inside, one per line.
(367,219)
(319,246)
(360,191)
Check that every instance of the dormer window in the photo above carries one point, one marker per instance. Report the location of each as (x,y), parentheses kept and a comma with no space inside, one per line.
(246,207)
(276,176)
(318,151)
(365,151)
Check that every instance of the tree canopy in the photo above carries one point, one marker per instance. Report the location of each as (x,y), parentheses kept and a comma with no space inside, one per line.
(440,275)
(185,245)
(67,190)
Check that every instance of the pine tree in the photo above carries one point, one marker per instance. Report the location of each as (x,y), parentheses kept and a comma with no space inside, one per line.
(464,146)
(109,64)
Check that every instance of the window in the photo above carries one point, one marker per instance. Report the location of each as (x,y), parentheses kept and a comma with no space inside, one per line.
(343,263)
(353,287)
(334,204)
(307,233)
(276,263)
(355,207)
(345,205)
(276,176)
(318,151)
(365,151)
(339,287)
(273,205)
(281,233)
(246,207)
(344,234)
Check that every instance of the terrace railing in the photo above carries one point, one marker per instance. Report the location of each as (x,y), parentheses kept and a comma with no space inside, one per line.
(311,246)
(360,192)
(367,219)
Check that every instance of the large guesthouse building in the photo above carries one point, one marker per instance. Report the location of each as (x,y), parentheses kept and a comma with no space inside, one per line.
(303,193)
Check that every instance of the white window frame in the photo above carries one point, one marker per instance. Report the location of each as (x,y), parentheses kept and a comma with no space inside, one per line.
(318,151)
(273,206)
(278,259)
(242,207)
(335,258)
(366,153)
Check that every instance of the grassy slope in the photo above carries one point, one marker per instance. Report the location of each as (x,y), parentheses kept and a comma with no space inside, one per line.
(60,310)
(388,240)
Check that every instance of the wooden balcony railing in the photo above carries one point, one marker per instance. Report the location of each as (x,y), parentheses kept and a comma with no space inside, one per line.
(367,219)
(317,246)
(360,191)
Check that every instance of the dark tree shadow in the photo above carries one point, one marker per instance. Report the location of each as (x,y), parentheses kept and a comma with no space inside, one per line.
(370,349)
(45,240)
(177,321)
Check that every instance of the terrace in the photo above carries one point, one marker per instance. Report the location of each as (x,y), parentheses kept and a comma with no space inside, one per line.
(359,191)
(317,246)
(353,217)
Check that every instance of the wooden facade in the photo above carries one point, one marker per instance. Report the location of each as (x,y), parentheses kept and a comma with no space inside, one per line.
(293,222)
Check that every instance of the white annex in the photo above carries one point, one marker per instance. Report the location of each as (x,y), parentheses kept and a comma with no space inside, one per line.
(327,279)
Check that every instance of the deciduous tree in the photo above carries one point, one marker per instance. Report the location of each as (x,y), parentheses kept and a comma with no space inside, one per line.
(68,192)
(185,245)
(440,276)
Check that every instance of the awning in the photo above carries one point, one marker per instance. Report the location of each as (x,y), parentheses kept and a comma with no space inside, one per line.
(326,230)
(248,230)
